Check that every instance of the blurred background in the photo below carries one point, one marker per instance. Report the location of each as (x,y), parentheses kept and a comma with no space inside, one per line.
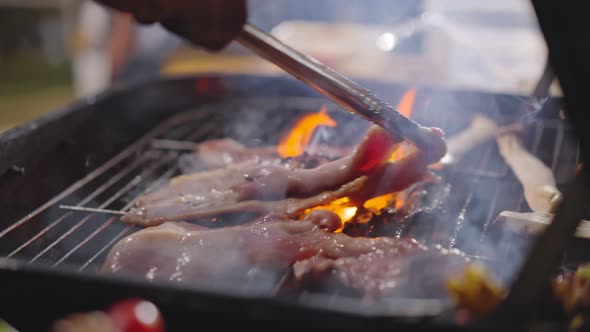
(55,51)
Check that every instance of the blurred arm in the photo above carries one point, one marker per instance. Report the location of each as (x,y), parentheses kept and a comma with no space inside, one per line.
(208,23)
(120,42)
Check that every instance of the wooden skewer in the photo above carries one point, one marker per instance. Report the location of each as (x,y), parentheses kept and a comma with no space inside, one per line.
(480,130)
(174,145)
(536,222)
(537,179)
(86,209)
(538,182)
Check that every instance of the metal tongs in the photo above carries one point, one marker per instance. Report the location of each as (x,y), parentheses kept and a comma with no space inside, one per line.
(546,252)
(340,89)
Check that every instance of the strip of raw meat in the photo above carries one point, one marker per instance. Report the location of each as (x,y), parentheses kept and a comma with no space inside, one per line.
(191,253)
(278,182)
(219,153)
(188,207)
(261,252)
(391,177)
(251,187)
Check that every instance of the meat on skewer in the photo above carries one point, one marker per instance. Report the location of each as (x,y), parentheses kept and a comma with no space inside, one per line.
(274,189)
(225,152)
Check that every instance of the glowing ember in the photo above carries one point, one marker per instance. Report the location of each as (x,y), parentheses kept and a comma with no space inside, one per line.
(379,203)
(342,207)
(405,107)
(348,213)
(295,143)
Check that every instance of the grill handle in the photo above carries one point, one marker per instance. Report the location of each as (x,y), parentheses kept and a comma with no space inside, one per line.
(341,90)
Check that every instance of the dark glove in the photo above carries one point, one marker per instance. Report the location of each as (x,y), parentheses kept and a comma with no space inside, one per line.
(208,23)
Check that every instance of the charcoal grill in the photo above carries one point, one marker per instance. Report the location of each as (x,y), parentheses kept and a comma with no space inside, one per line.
(99,153)
(96,154)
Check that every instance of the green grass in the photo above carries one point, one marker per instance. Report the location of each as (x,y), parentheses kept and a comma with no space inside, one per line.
(23,74)
(30,87)
(28,106)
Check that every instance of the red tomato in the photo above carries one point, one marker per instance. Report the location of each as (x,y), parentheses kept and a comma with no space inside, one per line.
(136,315)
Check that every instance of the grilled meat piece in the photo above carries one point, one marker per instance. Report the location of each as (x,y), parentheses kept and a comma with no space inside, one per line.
(187,207)
(278,190)
(393,270)
(190,253)
(260,252)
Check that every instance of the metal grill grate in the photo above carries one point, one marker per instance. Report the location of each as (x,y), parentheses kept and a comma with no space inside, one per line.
(82,239)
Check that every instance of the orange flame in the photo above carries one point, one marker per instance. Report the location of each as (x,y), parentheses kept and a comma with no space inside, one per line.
(295,143)
(406,104)
(405,107)
(377,204)
(342,207)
